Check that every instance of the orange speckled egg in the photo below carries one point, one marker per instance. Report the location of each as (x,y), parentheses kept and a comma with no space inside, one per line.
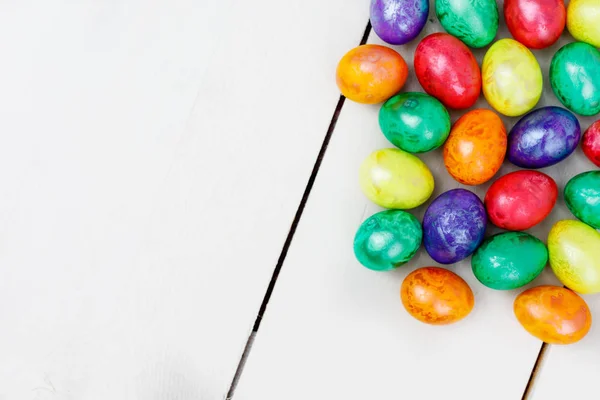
(371,74)
(476,147)
(436,296)
(553,314)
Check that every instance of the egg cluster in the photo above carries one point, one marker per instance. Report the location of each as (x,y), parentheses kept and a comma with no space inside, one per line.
(474,149)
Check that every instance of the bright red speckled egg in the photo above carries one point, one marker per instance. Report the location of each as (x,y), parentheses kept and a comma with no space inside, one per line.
(535,23)
(448,71)
(591,143)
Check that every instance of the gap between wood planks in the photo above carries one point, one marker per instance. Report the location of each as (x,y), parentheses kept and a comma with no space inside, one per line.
(537,367)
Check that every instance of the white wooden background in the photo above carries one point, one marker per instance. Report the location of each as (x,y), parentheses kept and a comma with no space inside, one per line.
(153,155)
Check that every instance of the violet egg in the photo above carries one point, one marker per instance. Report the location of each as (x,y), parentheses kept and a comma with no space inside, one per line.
(398,21)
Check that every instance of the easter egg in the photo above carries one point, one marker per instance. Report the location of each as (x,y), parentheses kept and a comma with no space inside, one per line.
(575,77)
(591,143)
(520,200)
(387,240)
(393,178)
(543,137)
(509,260)
(535,23)
(371,74)
(453,226)
(553,314)
(476,147)
(414,122)
(447,70)
(398,21)
(574,250)
(473,22)
(436,296)
(582,195)
(583,21)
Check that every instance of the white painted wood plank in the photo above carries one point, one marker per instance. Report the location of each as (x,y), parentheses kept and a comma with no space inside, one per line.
(152,156)
(335,330)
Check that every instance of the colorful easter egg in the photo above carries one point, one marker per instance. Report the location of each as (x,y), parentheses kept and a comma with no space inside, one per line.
(582,195)
(453,226)
(535,23)
(436,296)
(543,137)
(520,200)
(509,260)
(574,250)
(448,71)
(476,147)
(387,240)
(583,21)
(393,178)
(398,21)
(511,78)
(475,22)
(575,77)
(553,314)
(371,74)
(414,122)
(591,143)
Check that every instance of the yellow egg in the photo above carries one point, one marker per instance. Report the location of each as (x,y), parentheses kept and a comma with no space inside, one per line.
(511,78)
(574,250)
(583,21)
(393,178)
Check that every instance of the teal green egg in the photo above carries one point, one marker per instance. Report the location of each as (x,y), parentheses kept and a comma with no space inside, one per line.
(582,195)
(575,77)
(414,122)
(475,22)
(387,240)
(509,260)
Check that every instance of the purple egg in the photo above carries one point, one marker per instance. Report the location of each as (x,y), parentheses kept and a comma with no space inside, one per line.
(398,21)
(454,226)
(543,137)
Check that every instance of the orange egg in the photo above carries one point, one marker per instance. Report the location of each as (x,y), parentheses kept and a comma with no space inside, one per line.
(553,314)
(371,74)
(476,147)
(436,296)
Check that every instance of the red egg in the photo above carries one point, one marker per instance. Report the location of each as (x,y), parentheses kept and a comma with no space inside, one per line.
(591,143)
(535,23)
(520,200)
(448,71)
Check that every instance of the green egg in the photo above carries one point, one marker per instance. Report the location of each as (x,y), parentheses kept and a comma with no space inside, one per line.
(414,122)
(582,195)
(509,260)
(387,240)
(575,77)
(475,22)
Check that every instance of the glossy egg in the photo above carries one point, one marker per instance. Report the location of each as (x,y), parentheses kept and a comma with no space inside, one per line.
(393,178)
(509,260)
(453,226)
(582,195)
(436,296)
(414,122)
(520,200)
(447,70)
(553,314)
(371,74)
(591,143)
(575,77)
(535,23)
(398,21)
(574,250)
(387,240)
(476,147)
(583,21)
(543,137)
(475,22)
(511,78)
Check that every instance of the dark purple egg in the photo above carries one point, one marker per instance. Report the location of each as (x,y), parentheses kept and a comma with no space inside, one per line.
(543,137)
(454,226)
(398,21)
